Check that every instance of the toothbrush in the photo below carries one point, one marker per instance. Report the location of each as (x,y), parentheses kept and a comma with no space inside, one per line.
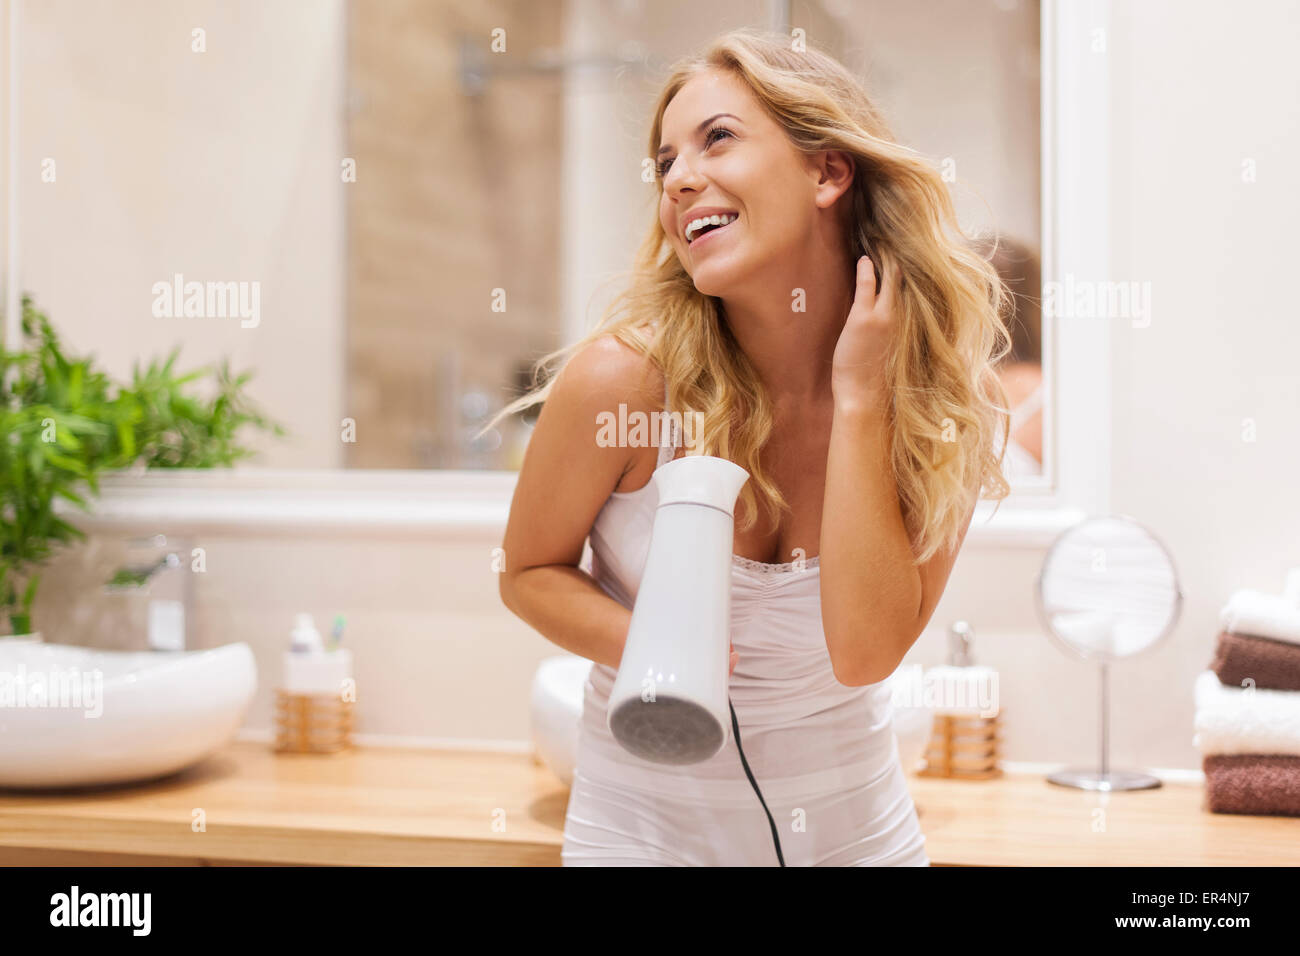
(336,634)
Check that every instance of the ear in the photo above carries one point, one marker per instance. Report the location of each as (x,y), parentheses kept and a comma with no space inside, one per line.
(834,169)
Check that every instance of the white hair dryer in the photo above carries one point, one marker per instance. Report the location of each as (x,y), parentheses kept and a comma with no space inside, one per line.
(669,702)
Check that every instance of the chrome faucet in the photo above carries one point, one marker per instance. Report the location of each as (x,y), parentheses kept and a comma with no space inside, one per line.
(167,617)
(136,579)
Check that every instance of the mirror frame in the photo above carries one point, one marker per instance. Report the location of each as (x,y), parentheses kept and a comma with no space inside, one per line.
(1075,242)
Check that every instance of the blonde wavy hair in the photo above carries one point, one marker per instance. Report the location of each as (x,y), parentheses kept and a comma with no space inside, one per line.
(952,329)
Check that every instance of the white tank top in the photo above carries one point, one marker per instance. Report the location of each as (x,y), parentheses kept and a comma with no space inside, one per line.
(802,731)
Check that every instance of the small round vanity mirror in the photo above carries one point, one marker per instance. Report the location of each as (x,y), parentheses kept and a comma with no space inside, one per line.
(1108,590)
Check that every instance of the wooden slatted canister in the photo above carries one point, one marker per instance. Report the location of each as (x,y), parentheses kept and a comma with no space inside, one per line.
(967,747)
(316,694)
(312,723)
(966,739)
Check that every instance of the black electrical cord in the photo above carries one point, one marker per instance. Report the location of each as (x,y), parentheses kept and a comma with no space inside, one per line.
(735,729)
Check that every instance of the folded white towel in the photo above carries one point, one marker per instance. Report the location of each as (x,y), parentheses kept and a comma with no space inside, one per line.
(1230,720)
(1262,615)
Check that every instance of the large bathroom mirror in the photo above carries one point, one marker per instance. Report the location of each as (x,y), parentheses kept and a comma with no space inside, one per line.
(414,200)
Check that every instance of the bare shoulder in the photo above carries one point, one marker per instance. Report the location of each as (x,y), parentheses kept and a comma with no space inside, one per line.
(606,373)
(568,471)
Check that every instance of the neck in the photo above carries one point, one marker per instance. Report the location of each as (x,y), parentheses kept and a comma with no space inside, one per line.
(792,351)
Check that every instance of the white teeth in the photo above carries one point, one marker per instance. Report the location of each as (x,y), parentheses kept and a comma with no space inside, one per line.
(696,224)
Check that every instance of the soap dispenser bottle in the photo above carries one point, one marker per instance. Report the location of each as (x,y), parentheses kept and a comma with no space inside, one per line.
(966,739)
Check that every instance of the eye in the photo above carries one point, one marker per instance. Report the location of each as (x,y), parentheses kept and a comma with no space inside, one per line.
(661,168)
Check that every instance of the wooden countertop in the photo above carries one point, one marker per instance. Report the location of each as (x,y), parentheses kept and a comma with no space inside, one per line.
(1022,820)
(381,806)
(370,806)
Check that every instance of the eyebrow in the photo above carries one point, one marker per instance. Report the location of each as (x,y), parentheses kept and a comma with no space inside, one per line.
(699,129)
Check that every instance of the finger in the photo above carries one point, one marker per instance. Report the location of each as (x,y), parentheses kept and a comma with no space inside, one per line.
(889,287)
(865,294)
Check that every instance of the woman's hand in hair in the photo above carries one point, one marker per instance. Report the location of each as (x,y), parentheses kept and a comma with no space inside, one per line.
(858,368)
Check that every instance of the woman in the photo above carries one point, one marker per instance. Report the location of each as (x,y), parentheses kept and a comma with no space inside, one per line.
(834,337)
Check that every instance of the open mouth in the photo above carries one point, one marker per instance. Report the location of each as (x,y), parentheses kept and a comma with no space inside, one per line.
(697,229)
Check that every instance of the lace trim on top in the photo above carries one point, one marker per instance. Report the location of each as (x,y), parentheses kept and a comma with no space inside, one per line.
(788,568)
(668,435)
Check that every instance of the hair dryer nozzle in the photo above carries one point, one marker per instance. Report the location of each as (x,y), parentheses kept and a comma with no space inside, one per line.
(700,480)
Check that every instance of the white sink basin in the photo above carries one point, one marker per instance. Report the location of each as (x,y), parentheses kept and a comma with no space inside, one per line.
(76,716)
(557,711)
(558,688)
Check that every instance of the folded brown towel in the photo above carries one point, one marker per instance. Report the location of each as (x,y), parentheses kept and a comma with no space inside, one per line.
(1260,784)
(1272,665)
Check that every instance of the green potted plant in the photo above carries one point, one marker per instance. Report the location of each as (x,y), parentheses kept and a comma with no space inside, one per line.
(64,423)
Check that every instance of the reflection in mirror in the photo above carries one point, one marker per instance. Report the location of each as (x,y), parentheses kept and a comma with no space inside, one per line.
(1108,588)
(429,197)
(1021,371)
(454,225)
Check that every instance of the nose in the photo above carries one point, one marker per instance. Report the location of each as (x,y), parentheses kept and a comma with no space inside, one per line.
(681,175)
(680,178)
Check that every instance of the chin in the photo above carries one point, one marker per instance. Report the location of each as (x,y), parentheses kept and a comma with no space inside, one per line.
(715,280)
(709,288)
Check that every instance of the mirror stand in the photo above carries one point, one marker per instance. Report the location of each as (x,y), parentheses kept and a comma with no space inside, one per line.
(1105,778)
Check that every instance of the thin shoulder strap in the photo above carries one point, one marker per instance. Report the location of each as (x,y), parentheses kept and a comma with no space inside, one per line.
(668,433)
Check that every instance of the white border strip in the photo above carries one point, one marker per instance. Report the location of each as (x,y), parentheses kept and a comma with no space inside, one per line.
(1077,242)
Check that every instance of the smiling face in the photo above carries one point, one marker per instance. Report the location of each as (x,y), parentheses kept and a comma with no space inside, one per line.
(743,165)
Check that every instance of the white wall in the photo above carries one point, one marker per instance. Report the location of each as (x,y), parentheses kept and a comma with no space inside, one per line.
(1199,88)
